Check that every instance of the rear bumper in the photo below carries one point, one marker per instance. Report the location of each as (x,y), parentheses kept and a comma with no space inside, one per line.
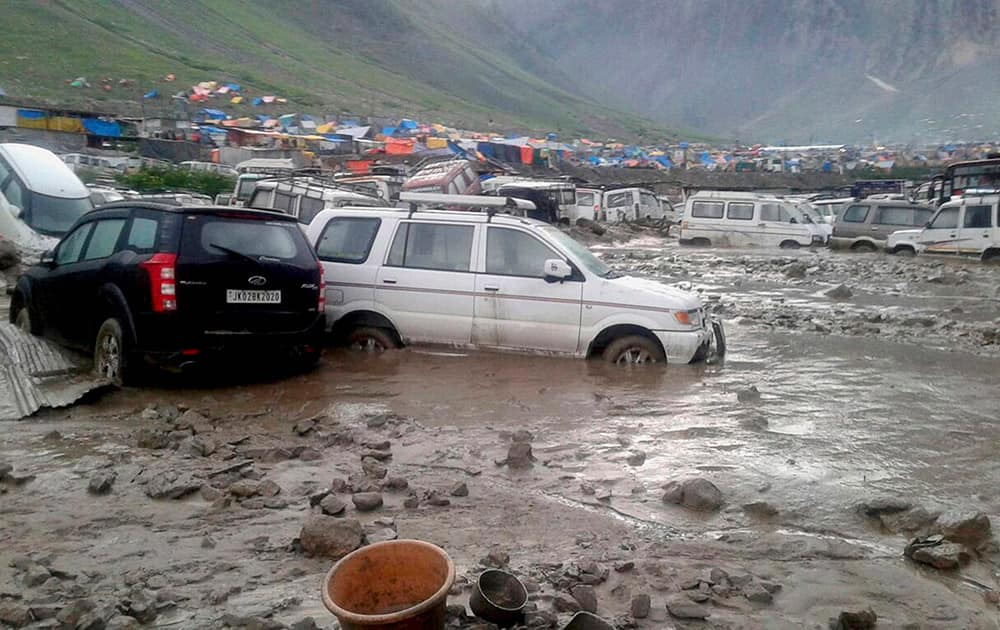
(696,345)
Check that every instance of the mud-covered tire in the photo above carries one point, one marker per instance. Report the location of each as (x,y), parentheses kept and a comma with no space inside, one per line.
(370,339)
(111,354)
(790,244)
(633,350)
(991,257)
(905,252)
(864,247)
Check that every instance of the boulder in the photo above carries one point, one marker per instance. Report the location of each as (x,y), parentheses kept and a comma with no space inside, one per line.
(172,484)
(968,528)
(374,468)
(585,597)
(696,493)
(683,608)
(332,505)
(460,489)
(839,292)
(329,537)
(101,482)
(367,501)
(640,606)
(862,620)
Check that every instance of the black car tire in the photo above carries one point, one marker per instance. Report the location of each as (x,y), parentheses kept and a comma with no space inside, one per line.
(633,350)
(26,322)
(371,339)
(111,354)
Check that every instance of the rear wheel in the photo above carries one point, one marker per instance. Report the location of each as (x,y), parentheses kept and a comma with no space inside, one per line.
(992,257)
(905,252)
(789,245)
(111,353)
(371,339)
(864,246)
(701,242)
(633,350)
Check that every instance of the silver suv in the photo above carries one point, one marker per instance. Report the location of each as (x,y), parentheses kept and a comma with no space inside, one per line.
(865,225)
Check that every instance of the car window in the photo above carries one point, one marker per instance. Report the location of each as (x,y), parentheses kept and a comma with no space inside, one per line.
(855,214)
(773,212)
(4,171)
(901,215)
(14,192)
(283,202)
(707,209)
(618,200)
(584,199)
(347,240)
(309,207)
(648,200)
(142,234)
(946,219)
(740,211)
(515,253)
(105,237)
(70,248)
(432,246)
(252,238)
(977,217)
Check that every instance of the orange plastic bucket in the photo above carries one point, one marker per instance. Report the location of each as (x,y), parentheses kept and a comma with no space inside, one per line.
(394,585)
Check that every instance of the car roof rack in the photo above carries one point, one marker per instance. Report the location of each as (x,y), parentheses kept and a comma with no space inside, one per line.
(490,204)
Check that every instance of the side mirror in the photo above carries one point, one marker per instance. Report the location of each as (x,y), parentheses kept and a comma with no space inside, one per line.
(556,269)
(793,220)
(48,258)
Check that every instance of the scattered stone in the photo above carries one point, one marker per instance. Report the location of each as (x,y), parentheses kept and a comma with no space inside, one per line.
(636,458)
(696,493)
(154,439)
(496,559)
(795,270)
(309,454)
(332,505)
(585,596)
(380,530)
(316,497)
(196,446)
(245,488)
(840,292)
(373,468)
(934,551)
(268,488)
(587,489)
(380,455)
(36,575)
(411,502)
(330,537)
(360,482)
(71,615)
(749,395)
(306,623)
(640,606)
(760,509)
(460,489)
(604,494)
(624,567)
(383,445)
(220,594)
(376,422)
(563,604)
(208,542)
(121,622)
(519,456)
(396,483)
(863,620)
(367,501)
(434,498)
(171,484)
(911,520)
(10,256)
(683,608)
(969,528)
(699,596)
(140,606)
(277,454)
(210,493)
(304,427)
(101,482)
(275,503)
(884,505)
(755,592)
(340,486)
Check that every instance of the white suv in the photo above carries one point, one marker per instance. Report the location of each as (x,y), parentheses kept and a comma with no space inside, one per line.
(969,226)
(475,279)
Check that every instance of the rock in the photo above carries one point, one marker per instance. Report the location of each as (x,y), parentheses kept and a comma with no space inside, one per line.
(863,620)
(360,482)
(563,604)
(969,528)
(101,482)
(934,551)
(795,270)
(210,493)
(309,454)
(71,615)
(760,509)
(604,494)
(755,592)
(749,395)
(244,488)
(10,256)
(640,606)
(380,531)
(340,486)
(374,468)
(411,502)
(585,596)
(884,505)
(587,489)
(36,575)
(683,608)
(332,505)
(268,488)
(496,559)
(378,421)
(329,537)
(153,439)
(911,520)
(208,542)
(306,623)
(367,501)
(11,614)
(171,484)
(636,458)
(275,503)
(122,622)
(396,483)
(140,606)
(380,455)
(696,493)
(196,446)
(460,490)
(519,455)
(434,498)
(840,292)
(624,567)
(304,427)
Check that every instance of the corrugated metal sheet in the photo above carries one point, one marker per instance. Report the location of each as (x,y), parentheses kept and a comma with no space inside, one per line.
(35,373)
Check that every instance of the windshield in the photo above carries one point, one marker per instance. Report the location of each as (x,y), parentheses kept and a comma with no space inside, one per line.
(245,188)
(580,253)
(54,216)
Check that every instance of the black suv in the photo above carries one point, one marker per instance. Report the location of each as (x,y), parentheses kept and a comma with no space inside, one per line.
(174,284)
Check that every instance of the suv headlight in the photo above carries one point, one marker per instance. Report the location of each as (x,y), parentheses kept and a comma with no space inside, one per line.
(689,318)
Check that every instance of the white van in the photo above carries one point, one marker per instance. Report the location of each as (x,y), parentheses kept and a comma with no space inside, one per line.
(208,167)
(304,197)
(740,219)
(562,193)
(40,197)
(969,226)
(630,204)
(485,280)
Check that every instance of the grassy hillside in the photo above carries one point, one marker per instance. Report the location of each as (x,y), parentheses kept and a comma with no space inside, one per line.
(436,60)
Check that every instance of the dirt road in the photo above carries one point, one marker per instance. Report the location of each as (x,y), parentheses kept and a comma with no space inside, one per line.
(887,394)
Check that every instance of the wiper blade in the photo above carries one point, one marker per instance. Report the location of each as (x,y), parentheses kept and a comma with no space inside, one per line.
(234,252)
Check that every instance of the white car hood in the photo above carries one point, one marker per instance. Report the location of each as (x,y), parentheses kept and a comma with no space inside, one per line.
(903,236)
(629,290)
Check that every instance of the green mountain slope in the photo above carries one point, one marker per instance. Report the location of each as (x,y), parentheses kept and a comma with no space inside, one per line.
(436,60)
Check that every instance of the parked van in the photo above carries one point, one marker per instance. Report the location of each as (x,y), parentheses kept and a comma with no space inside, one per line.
(588,204)
(630,204)
(969,226)
(740,219)
(209,167)
(865,225)
(385,187)
(485,280)
(40,197)
(450,177)
(561,193)
(252,171)
(83,162)
(830,209)
(305,197)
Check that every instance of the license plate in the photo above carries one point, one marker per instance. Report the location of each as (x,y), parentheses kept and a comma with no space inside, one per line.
(243,296)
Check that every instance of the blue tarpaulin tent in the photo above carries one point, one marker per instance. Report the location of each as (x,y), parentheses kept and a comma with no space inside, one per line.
(257,101)
(30,114)
(233,87)
(102,128)
(214,114)
(407,125)
(388,131)
(151,94)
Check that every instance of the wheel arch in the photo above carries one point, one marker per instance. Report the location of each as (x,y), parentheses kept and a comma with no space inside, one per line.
(364,317)
(616,331)
(864,243)
(114,304)
(990,253)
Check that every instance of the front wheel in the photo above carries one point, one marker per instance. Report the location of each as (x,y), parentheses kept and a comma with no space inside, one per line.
(864,247)
(905,252)
(110,353)
(633,350)
(789,245)
(371,339)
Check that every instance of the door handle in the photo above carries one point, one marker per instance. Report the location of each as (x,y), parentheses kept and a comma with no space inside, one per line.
(388,281)
(490,287)
(951,236)
(760,225)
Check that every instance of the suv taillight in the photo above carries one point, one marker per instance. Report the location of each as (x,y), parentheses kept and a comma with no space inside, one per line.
(162,281)
(321,303)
